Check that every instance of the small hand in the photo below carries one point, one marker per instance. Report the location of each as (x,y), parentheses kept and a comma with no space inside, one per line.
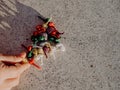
(10,70)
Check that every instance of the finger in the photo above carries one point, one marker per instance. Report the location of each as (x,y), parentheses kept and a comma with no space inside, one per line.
(9,83)
(2,65)
(10,58)
(15,70)
(13,81)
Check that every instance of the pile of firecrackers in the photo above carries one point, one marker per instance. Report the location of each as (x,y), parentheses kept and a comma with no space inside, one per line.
(46,42)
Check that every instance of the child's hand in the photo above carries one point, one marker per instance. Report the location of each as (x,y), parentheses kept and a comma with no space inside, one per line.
(10,70)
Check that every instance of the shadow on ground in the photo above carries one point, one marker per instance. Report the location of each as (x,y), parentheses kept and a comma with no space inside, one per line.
(17,22)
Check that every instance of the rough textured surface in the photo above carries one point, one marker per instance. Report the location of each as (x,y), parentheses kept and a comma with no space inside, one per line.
(92,41)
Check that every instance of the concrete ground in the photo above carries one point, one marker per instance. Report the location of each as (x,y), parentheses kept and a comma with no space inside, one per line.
(92,41)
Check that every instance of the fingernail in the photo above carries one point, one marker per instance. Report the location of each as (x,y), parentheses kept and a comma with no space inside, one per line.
(22,54)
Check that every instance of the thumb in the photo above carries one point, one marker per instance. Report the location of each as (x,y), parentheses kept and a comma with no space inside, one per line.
(16,58)
(23,54)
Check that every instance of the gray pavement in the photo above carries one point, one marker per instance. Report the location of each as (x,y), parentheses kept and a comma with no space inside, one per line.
(92,41)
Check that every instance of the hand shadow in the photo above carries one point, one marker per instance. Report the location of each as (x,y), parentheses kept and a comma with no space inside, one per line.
(17,22)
